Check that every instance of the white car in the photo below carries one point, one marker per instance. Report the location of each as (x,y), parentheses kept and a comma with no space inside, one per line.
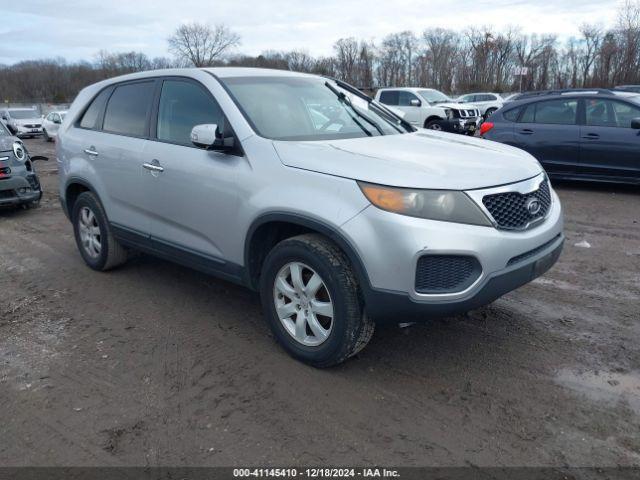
(487,103)
(429,108)
(51,124)
(25,121)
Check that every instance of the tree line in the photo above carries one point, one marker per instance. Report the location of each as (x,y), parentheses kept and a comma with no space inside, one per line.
(473,59)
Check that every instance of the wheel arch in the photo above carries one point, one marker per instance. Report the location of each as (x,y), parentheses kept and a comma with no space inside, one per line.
(73,188)
(430,118)
(270,228)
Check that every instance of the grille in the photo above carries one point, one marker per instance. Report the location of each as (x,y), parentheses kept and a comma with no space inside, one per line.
(524,256)
(7,194)
(33,125)
(446,273)
(510,211)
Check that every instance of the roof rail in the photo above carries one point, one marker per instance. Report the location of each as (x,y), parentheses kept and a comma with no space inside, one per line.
(563,91)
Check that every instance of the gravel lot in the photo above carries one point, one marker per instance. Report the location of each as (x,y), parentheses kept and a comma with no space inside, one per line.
(154,364)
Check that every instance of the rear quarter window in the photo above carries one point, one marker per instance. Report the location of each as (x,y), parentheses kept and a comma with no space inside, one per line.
(90,117)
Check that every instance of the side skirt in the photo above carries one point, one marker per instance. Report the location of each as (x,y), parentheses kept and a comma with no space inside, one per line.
(189,258)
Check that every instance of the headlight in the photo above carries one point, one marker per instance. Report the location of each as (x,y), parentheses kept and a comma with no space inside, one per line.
(443,205)
(19,151)
(448,112)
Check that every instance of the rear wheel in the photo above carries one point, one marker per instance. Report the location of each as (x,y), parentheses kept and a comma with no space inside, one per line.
(311,301)
(98,247)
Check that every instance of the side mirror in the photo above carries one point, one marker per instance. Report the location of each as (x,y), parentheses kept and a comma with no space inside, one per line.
(635,123)
(208,136)
(415,102)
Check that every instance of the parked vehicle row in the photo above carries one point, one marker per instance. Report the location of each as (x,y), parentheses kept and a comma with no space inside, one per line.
(339,212)
(575,134)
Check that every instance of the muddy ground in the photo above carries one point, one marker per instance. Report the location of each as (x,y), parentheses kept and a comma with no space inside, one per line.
(154,364)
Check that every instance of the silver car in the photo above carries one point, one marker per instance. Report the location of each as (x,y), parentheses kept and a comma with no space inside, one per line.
(337,211)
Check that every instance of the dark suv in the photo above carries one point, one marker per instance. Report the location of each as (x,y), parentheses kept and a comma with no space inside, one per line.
(586,135)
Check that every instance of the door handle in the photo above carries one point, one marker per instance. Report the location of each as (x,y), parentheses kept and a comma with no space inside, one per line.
(152,167)
(525,131)
(591,136)
(91,151)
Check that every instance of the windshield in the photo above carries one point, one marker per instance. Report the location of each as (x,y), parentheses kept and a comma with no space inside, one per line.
(22,114)
(299,108)
(433,96)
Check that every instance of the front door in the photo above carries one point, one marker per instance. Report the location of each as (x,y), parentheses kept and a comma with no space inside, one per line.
(194,190)
(608,145)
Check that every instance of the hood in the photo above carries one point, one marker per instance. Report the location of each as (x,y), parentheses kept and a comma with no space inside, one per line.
(422,159)
(457,106)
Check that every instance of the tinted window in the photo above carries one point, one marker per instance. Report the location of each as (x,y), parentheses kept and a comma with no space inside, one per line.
(624,113)
(511,115)
(562,111)
(127,109)
(389,98)
(529,113)
(556,112)
(90,117)
(183,105)
(599,113)
(404,99)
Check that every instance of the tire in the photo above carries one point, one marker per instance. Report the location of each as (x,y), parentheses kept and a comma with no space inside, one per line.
(110,254)
(433,125)
(348,330)
(46,136)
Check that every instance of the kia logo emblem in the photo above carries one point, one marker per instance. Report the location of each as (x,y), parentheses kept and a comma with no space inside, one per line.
(533,206)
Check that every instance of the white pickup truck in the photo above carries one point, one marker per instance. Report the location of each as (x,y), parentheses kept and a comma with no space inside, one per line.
(428,108)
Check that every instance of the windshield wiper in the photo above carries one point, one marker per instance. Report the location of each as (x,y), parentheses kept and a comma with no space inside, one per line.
(392,116)
(347,101)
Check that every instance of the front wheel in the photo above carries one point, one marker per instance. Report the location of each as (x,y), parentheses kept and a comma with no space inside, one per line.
(311,301)
(46,136)
(433,125)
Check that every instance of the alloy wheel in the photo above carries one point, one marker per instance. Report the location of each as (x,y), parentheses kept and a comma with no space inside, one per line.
(89,230)
(303,304)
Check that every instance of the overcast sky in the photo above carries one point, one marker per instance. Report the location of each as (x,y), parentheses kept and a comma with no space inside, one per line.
(78,29)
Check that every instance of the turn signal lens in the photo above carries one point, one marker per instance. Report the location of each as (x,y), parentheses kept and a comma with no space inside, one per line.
(485,127)
(384,198)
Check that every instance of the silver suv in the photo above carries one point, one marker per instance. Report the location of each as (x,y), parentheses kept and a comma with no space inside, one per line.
(338,211)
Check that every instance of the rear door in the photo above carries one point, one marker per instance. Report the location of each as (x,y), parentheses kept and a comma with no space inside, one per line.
(194,191)
(113,146)
(608,145)
(548,130)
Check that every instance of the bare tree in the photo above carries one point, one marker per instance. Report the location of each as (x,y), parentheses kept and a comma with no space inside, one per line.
(201,44)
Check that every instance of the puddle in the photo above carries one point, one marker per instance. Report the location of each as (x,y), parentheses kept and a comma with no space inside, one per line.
(605,387)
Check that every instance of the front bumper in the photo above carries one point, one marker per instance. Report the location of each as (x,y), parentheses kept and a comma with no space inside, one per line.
(18,190)
(26,132)
(389,246)
(462,125)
